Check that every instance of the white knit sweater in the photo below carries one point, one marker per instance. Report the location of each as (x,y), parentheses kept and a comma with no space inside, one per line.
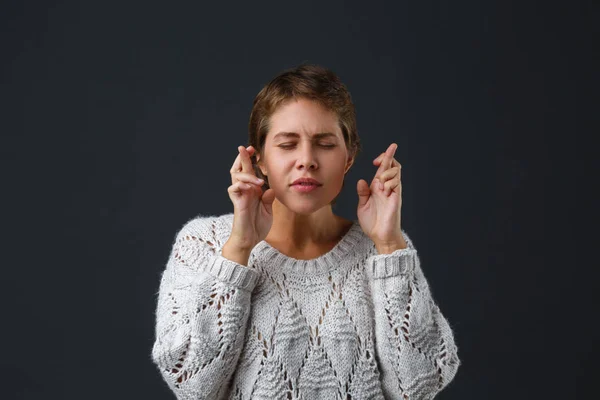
(350,324)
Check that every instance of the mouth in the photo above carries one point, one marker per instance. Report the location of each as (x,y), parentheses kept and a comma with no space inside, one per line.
(306,181)
(305,184)
(305,187)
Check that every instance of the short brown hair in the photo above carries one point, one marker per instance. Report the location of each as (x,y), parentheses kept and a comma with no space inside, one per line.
(306,81)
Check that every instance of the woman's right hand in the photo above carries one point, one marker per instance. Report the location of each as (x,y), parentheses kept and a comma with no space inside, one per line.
(252,209)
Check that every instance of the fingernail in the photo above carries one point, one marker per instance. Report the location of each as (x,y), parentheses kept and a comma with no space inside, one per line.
(259,181)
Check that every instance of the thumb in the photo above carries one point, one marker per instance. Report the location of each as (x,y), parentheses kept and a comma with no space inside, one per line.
(267,199)
(362,187)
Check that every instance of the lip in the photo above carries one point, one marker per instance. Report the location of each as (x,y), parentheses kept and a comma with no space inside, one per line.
(312,184)
(306,180)
(305,188)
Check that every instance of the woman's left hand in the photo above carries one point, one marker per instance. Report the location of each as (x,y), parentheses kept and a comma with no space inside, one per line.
(379,204)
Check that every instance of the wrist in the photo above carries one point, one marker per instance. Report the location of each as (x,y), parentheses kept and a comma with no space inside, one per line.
(236,253)
(390,247)
(237,244)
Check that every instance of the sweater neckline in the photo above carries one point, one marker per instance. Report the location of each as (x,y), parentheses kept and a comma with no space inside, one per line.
(344,248)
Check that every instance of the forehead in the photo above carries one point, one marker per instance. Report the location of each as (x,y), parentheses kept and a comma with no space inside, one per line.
(303,117)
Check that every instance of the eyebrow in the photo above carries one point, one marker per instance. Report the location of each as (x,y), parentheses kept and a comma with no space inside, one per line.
(316,136)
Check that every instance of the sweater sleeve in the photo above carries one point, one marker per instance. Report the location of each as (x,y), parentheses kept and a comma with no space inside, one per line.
(201,314)
(415,346)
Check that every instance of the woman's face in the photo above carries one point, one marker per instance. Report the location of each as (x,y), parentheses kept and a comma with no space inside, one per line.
(305,140)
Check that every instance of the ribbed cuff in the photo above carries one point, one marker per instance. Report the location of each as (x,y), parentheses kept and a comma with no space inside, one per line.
(231,272)
(401,261)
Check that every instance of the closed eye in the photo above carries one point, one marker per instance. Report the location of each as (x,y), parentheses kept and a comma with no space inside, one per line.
(289,146)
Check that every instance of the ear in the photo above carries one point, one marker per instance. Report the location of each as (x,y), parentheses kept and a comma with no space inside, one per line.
(260,165)
(348,164)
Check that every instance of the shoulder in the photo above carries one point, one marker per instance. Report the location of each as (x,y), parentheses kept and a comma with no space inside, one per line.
(210,228)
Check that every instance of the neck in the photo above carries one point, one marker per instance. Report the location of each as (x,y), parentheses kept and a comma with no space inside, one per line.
(300,231)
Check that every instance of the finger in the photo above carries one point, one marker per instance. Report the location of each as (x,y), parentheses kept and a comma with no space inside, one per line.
(393,174)
(237,164)
(390,186)
(386,161)
(389,174)
(389,155)
(377,160)
(364,192)
(238,188)
(395,163)
(246,162)
(247,178)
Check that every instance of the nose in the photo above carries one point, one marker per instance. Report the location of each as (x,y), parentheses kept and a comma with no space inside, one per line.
(306,158)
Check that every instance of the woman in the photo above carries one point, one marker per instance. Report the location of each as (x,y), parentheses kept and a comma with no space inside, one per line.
(282,299)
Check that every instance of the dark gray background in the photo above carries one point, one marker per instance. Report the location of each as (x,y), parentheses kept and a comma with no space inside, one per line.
(120,121)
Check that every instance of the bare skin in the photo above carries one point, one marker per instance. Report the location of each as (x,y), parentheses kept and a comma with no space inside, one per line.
(307,240)
(305,141)
(311,240)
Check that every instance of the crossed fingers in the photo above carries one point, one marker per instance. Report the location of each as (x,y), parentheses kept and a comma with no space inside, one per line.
(389,172)
(242,171)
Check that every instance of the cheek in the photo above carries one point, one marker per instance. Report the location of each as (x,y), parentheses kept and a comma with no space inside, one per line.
(336,165)
(332,169)
(277,172)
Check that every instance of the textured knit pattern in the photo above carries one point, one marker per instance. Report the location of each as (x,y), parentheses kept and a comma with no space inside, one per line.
(350,324)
